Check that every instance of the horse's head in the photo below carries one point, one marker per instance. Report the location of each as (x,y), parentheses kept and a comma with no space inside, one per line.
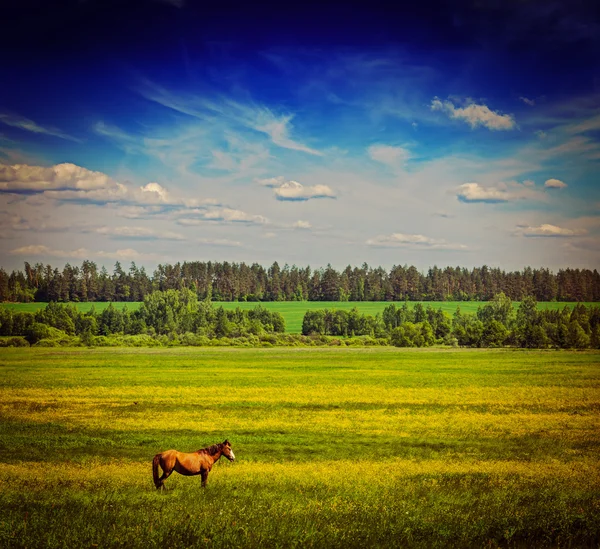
(227,451)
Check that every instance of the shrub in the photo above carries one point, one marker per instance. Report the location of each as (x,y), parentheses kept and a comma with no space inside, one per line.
(269,338)
(140,340)
(37,331)
(14,341)
(47,343)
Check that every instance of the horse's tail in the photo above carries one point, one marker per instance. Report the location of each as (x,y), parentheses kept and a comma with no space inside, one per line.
(155,463)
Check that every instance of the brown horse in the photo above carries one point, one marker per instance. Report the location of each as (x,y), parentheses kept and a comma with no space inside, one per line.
(195,463)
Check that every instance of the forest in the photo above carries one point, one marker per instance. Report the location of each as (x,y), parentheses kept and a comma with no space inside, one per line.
(226,281)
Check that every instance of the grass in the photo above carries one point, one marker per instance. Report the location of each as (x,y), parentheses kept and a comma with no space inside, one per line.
(293,311)
(335,447)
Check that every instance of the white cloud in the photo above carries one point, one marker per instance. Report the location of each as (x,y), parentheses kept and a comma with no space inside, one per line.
(127,254)
(222,214)
(413,241)
(394,157)
(503,192)
(302,225)
(69,182)
(294,191)
(555,184)
(23,178)
(475,115)
(527,101)
(158,193)
(548,231)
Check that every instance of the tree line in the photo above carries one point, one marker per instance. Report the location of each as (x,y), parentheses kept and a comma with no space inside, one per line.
(496,324)
(163,316)
(176,317)
(226,281)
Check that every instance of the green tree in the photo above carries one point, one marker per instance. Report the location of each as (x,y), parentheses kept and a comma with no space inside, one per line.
(313,322)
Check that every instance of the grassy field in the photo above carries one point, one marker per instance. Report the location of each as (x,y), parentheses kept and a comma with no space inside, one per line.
(335,447)
(293,311)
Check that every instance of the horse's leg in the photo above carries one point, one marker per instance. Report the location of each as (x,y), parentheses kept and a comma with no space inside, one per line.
(204,475)
(166,474)
(167,465)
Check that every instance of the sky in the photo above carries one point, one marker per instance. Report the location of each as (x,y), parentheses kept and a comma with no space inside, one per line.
(157,131)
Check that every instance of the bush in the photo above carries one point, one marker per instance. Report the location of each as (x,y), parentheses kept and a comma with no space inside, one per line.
(450,340)
(269,338)
(64,341)
(38,331)
(47,343)
(15,341)
(141,340)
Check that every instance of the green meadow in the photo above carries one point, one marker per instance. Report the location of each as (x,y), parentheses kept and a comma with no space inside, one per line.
(367,447)
(293,311)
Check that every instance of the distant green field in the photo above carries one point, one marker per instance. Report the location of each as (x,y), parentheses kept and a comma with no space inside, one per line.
(337,448)
(85,307)
(293,311)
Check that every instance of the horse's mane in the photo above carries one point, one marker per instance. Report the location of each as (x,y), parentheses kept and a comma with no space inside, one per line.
(210,450)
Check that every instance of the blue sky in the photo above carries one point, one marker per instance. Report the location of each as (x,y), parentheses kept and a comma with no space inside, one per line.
(462,133)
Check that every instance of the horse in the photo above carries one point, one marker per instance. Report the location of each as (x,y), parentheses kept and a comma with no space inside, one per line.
(188,464)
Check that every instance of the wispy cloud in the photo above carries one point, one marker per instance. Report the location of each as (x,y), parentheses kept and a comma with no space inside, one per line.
(137,233)
(219,242)
(547,230)
(588,124)
(578,145)
(278,130)
(527,101)
(26,124)
(475,115)
(16,222)
(277,127)
(413,241)
(38,250)
(229,215)
(394,157)
(272,182)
